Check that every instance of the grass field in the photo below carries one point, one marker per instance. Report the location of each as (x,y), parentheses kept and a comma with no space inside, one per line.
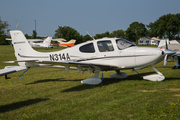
(51,93)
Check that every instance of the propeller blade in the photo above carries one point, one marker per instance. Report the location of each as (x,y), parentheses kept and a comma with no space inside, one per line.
(167,53)
(166,45)
(165,60)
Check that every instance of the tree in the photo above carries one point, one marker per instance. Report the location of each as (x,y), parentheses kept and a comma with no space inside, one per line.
(178,17)
(135,31)
(3,26)
(152,32)
(68,33)
(34,35)
(118,34)
(86,38)
(166,25)
(106,34)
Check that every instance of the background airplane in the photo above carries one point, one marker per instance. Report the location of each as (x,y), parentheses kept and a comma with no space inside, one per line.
(60,42)
(93,56)
(45,43)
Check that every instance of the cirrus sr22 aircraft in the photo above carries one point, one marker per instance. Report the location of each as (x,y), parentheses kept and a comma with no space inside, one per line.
(93,56)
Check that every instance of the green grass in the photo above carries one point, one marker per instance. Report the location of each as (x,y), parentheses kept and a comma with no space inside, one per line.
(51,93)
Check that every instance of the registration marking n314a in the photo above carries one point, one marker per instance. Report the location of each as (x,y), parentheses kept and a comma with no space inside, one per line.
(59,57)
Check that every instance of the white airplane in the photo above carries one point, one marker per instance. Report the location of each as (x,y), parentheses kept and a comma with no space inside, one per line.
(93,56)
(64,44)
(45,43)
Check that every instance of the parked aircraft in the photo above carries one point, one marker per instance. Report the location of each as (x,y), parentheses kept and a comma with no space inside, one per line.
(64,44)
(172,45)
(93,56)
(45,43)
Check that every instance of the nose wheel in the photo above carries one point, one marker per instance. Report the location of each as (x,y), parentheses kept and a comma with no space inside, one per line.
(155,77)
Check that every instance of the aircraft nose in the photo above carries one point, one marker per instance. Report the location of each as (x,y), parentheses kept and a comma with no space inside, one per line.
(148,56)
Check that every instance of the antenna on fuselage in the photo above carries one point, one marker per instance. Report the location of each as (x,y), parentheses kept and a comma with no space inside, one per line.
(90,36)
(17,26)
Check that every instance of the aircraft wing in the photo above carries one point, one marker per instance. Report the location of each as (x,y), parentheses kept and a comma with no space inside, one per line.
(81,64)
(34,40)
(59,39)
(11,69)
(84,66)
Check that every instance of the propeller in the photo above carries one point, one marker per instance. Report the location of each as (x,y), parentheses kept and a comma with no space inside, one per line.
(165,60)
(167,52)
(166,56)
(166,45)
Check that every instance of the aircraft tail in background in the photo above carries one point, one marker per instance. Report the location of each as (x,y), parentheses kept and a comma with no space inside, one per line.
(47,41)
(67,44)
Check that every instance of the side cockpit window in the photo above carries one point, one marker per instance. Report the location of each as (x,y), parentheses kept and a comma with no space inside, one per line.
(122,44)
(88,48)
(105,46)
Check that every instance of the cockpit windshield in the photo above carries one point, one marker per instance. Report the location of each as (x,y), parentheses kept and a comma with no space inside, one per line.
(122,44)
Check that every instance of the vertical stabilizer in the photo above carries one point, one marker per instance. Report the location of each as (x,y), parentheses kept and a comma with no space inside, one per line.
(68,44)
(162,43)
(47,41)
(21,45)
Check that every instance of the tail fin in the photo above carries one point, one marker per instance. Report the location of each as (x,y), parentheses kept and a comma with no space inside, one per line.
(21,45)
(71,41)
(162,43)
(68,44)
(47,40)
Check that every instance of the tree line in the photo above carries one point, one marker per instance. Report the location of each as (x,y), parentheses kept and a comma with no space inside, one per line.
(168,24)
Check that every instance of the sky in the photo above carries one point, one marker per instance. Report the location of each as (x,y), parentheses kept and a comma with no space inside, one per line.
(97,16)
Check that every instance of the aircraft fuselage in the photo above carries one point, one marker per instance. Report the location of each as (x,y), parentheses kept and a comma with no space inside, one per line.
(107,51)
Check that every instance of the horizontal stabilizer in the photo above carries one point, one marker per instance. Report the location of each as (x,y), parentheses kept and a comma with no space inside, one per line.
(20,61)
(11,69)
(30,40)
